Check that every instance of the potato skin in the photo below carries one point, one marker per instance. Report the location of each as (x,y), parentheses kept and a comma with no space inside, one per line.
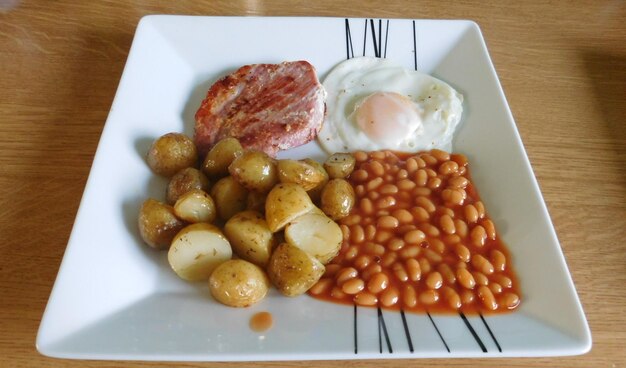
(255,171)
(299,172)
(218,159)
(316,192)
(293,271)
(184,181)
(195,206)
(284,203)
(171,153)
(337,199)
(230,197)
(340,165)
(250,237)
(158,224)
(238,283)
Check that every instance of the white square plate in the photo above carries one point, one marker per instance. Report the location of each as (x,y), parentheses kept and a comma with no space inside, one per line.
(116,299)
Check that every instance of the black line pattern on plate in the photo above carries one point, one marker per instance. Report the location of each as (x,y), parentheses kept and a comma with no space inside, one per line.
(414,46)
(365,37)
(406,327)
(438,333)
(473,332)
(349,48)
(493,337)
(386,37)
(356,341)
(381,323)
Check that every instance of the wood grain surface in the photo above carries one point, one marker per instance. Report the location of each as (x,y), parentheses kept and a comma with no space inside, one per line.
(562,65)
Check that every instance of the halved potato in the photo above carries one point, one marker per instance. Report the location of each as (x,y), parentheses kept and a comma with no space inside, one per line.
(292,270)
(218,159)
(196,206)
(171,153)
(315,234)
(230,197)
(197,250)
(340,165)
(255,171)
(238,283)
(299,172)
(316,192)
(184,181)
(250,237)
(158,224)
(284,203)
(337,199)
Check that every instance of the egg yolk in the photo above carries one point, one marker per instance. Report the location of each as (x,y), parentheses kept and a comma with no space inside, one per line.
(388,117)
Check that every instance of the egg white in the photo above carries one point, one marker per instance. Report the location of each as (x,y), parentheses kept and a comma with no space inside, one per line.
(351,81)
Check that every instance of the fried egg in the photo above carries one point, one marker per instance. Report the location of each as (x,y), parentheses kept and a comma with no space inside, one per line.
(374,104)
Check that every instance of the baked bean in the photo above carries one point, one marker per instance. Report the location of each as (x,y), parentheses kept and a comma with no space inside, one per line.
(373,195)
(467,296)
(461,264)
(373,248)
(498,260)
(447,224)
(461,228)
(445,211)
(391,157)
(353,286)
(395,244)
(482,264)
(351,220)
(409,297)
(440,155)
(436,245)
(321,286)
(509,300)
(373,184)
(451,239)
(495,288)
(360,156)
(403,216)
(471,214)
(429,297)
(361,262)
(458,182)
(462,170)
(382,236)
(424,265)
(446,272)
(331,270)
(421,178)
(359,190)
(489,228)
(357,235)
(377,168)
(462,252)
(365,298)
(337,293)
(419,191)
(465,278)
(404,198)
(378,155)
(410,252)
(428,159)
(370,271)
(453,196)
(448,167)
(429,229)
(411,165)
(420,162)
(413,269)
(406,184)
(378,283)
(453,298)
(431,173)
(359,175)
(480,208)
(352,252)
(478,236)
(459,158)
(400,272)
(503,280)
(420,214)
(433,183)
(389,297)
(346,274)
(486,296)
(434,280)
(480,278)
(389,259)
(370,232)
(388,178)
(388,189)
(385,202)
(345,230)
(414,237)
(432,256)
(387,222)
(402,174)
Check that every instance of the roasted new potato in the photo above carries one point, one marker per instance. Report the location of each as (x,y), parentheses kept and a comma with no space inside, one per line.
(315,234)
(250,237)
(255,171)
(316,192)
(158,224)
(195,206)
(184,181)
(284,203)
(230,197)
(339,165)
(337,199)
(238,283)
(292,270)
(197,250)
(256,201)
(299,172)
(221,156)
(171,153)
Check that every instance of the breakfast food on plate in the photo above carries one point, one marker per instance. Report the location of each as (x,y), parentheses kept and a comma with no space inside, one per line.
(267,107)
(183,181)
(374,104)
(158,224)
(292,270)
(238,283)
(171,153)
(419,239)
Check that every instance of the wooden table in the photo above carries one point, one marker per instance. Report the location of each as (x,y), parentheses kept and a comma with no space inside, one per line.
(562,66)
